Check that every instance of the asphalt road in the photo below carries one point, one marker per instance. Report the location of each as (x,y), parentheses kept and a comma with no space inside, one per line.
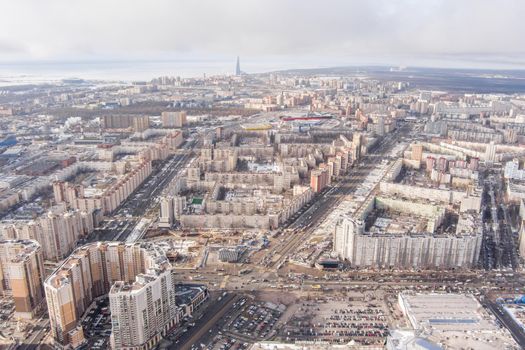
(33,342)
(202,326)
(304,224)
(142,199)
(517,332)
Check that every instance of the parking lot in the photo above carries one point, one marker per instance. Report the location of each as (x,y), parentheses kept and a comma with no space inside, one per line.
(338,320)
(246,321)
(254,320)
(223,342)
(97,325)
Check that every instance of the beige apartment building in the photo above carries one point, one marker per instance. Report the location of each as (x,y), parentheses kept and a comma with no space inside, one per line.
(173,119)
(22,276)
(120,269)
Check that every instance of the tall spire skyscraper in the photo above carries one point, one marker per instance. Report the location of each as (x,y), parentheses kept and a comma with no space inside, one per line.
(238,67)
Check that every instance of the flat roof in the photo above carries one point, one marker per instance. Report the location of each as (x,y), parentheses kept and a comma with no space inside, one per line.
(443,312)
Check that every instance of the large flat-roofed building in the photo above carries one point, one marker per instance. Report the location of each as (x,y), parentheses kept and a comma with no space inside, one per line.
(22,273)
(453,321)
(442,311)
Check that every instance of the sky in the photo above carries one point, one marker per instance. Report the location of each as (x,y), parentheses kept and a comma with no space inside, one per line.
(273,33)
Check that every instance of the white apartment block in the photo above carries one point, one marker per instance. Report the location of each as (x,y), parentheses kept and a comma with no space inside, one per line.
(143,311)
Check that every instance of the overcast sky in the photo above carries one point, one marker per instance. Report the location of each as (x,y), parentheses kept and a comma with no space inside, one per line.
(465,33)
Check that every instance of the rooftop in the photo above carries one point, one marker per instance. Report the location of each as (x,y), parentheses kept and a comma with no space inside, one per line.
(24,248)
(444,312)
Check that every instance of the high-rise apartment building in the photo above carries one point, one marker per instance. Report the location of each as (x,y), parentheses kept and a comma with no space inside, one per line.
(417,152)
(22,273)
(357,141)
(140,123)
(179,205)
(171,208)
(166,212)
(116,121)
(328,168)
(380,125)
(430,163)
(408,241)
(442,164)
(319,180)
(57,231)
(173,119)
(138,275)
(490,152)
(143,310)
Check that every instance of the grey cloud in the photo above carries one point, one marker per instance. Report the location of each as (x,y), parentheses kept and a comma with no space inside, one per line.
(333,29)
(10,48)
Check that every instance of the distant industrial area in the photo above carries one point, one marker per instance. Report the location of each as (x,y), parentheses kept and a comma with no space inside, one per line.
(345,208)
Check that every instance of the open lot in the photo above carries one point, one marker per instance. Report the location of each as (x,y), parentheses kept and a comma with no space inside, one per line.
(338,319)
(243,320)
(254,320)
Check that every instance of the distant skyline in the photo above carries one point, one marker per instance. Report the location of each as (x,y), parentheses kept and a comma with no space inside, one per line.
(275,34)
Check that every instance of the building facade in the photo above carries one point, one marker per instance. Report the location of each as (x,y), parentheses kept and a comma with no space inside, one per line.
(22,273)
(409,251)
(138,276)
(143,311)
(173,119)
